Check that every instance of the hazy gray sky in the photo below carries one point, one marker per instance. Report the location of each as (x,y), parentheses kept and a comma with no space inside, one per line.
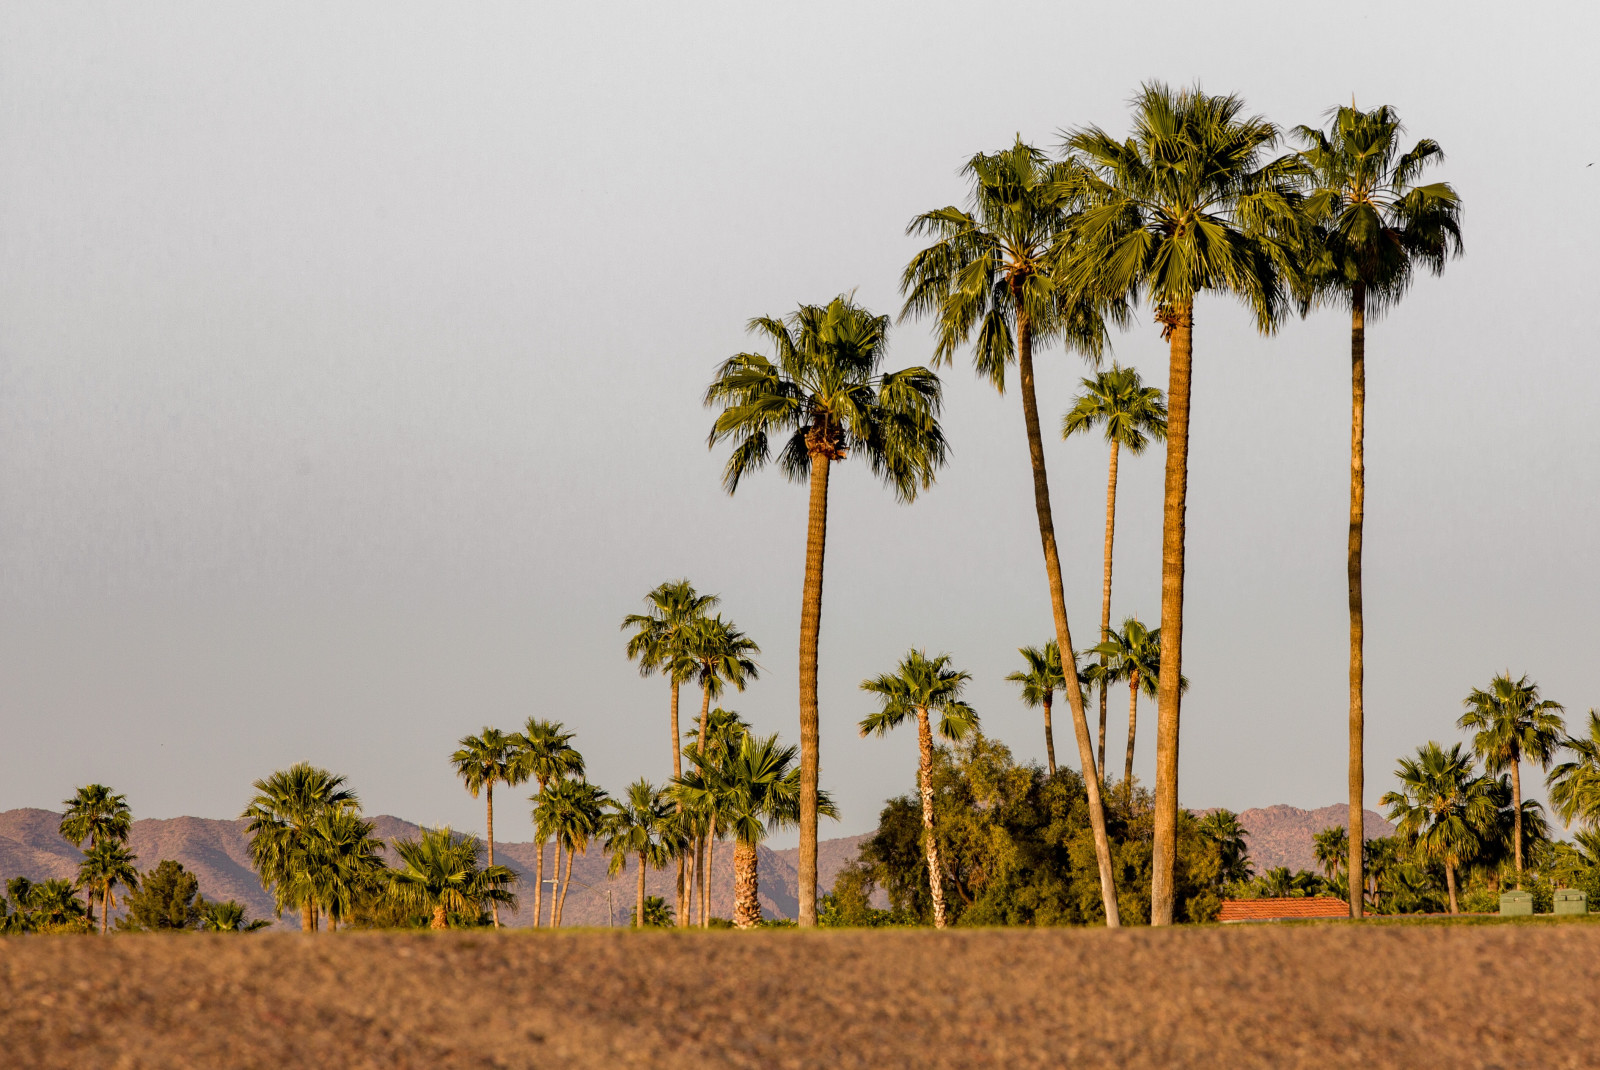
(351,356)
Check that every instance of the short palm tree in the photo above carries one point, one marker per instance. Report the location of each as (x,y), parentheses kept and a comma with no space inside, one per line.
(1331,847)
(340,864)
(1185,206)
(544,752)
(1229,837)
(918,687)
(1513,724)
(1131,415)
(105,865)
(824,393)
(228,917)
(633,827)
(481,761)
(1375,227)
(1134,655)
(97,814)
(1575,785)
(722,656)
(990,278)
(570,811)
(725,731)
(1040,681)
(442,873)
(281,815)
(1441,808)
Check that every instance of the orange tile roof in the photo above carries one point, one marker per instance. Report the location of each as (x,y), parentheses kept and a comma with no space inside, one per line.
(1319,906)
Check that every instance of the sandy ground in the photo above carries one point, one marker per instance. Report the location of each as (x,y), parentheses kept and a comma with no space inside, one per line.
(1238,996)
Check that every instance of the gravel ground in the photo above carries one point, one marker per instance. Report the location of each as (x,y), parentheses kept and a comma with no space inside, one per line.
(1237,996)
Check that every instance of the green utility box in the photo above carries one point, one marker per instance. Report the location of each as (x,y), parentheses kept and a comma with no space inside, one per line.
(1571,901)
(1516,904)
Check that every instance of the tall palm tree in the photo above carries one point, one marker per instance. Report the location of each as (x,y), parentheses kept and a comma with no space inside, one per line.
(1131,415)
(281,815)
(1040,681)
(633,827)
(1441,808)
(99,815)
(483,760)
(105,865)
(544,752)
(1512,724)
(660,643)
(1185,206)
(1575,785)
(823,390)
(1134,655)
(919,686)
(570,812)
(1375,227)
(989,277)
(442,873)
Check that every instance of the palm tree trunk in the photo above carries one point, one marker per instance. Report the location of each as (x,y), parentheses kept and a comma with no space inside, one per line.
(746,886)
(1049,737)
(1058,604)
(1358,498)
(810,629)
(566,882)
(677,771)
(555,885)
(930,843)
(1450,883)
(439,919)
(638,911)
(105,907)
(1516,819)
(308,920)
(711,858)
(703,875)
(1133,725)
(538,885)
(494,908)
(1105,592)
(1180,328)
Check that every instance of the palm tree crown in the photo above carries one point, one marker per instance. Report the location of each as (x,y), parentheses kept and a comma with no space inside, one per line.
(1511,724)
(1116,400)
(282,818)
(442,873)
(1442,808)
(96,813)
(1575,785)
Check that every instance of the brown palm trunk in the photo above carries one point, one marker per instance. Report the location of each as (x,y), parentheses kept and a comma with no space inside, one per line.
(1133,726)
(308,920)
(105,908)
(1450,883)
(930,843)
(439,919)
(555,883)
(494,907)
(677,773)
(1180,328)
(1058,604)
(1105,593)
(566,881)
(638,911)
(1358,497)
(810,629)
(1049,736)
(711,859)
(1516,819)
(746,886)
(702,877)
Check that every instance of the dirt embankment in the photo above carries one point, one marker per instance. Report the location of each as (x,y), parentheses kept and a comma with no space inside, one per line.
(1256,996)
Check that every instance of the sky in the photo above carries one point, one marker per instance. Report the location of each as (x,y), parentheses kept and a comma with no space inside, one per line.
(351,364)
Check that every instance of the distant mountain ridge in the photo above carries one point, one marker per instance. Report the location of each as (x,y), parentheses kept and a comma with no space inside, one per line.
(1282,835)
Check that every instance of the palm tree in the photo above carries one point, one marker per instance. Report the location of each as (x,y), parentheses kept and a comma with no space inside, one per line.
(989,277)
(52,906)
(1513,724)
(1132,414)
(1134,655)
(570,812)
(1442,808)
(286,806)
(228,917)
(634,828)
(725,731)
(1183,207)
(441,874)
(482,760)
(824,391)
(1040,682)
(1375,226)
(1575,785)
(340,864)
(105,865)
(918,686)
(97,814)
(544,752)
(1222,829)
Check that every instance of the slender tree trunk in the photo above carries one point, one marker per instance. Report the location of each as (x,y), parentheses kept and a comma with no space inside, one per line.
(810,629)
(308,920)
(494,908)
(538,885)
(1358,498)
(1105,593)
(702,851)
(930,843)
(1450,883)
(1049,737)
(555,884)
(1058,604)
(711,861)
(638,911)
(1516,819)
(677,772)
(1181,350)
(746,886)
(703,876)
(439,919)
(566,881)
(1133,727)
(105,908)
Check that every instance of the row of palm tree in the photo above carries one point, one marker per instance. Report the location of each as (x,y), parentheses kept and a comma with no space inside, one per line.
(1055,250)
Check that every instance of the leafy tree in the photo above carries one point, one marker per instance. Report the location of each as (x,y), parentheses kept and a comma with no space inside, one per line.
(570,811)
(228,917)
(1374,227)
(545,753)
(481,762)
(633,827)
(341,864)
(1512,724)
(1575,785)
(167,898)
(1222,830)
(97,814)
(1134,655)
(105,865)
(1040,681)
(657,914)
(1279,883)
(53,907)
(1185,206)
(919,686)
(824,392)
(1132,415)
(702,819)
(443,873)
(991,278)
(1442,808)
(281,817)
